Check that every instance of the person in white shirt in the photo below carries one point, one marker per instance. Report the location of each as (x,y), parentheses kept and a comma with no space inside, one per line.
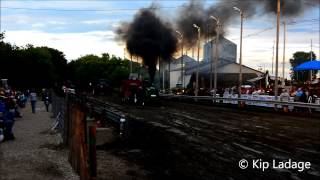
(33,100)
(284,96)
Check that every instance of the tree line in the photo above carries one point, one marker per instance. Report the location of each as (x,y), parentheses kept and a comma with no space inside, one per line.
(31,66)
(44,67)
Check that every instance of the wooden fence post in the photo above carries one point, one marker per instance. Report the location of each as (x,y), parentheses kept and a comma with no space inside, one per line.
(92,151)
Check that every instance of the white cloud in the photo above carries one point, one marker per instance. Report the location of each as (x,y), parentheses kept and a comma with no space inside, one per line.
(96,21)
(17,18)
(73,45)
(38,25)
(53,22)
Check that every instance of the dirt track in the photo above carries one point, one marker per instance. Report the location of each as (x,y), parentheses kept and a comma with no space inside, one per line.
(184,141)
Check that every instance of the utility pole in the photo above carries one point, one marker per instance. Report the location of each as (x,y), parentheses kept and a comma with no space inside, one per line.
(277,52)
(216,57)
(169,77)
(211,64)
(272,57)
(311,60)
(193,52)
(182,78)
(124,53)
(284,52)
(159,73)
(216,60)
(130,63)
(240,60)
(198,60)
(163,71)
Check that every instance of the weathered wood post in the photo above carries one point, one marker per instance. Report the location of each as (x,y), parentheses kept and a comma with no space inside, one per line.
(91,136)
(92,151)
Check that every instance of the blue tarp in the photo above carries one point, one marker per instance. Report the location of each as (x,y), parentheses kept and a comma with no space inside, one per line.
(309,65)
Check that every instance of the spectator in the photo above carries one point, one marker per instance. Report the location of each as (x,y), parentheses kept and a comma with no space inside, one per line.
(1,132)
(303,97)
(33,100)
(22,100)
(285,96)
(2,110)
(297,94)
(8,117)
(8,121)
(255,92)
(2,105)
(27,94)
(47,101)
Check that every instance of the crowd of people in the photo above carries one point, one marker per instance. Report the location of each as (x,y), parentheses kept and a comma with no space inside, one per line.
(11,102)
(300,94)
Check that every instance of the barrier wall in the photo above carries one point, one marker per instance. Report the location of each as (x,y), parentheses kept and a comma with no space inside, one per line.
(260,98)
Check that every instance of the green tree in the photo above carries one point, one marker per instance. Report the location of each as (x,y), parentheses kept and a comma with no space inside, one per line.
(91,68)
(1,36)
(29,66)
(298,58)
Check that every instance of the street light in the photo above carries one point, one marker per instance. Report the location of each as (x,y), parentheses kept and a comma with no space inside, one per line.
(216,57)
(240,60)
(277,52)
(182,78)
(284,53)
(197,75)
(130,64)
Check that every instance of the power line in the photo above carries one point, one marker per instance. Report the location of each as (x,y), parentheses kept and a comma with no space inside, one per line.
(88,10)
(270,28)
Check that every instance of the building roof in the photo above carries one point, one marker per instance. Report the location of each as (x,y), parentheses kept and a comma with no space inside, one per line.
(186,59)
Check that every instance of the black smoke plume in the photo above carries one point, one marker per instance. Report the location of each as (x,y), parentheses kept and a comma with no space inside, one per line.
(149,37)
(194,12)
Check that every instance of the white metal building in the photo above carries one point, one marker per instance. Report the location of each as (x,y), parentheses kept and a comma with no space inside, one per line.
(228,69)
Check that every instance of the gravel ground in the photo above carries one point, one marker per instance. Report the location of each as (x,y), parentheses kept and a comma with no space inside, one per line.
(36,152)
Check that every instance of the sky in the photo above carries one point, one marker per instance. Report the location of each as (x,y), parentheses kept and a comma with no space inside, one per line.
(78,28)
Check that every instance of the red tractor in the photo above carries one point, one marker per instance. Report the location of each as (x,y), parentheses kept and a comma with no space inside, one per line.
(130,91)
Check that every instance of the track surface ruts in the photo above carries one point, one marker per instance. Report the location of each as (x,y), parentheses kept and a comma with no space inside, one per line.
(179,140)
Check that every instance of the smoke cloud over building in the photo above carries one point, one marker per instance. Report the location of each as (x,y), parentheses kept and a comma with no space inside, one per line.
(195,12)
(149,37)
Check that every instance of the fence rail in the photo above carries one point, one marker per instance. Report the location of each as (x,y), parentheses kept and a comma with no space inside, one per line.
(273,103)
(108,112)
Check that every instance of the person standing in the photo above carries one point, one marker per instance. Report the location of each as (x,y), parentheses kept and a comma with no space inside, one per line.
(285,97)
(47,101)
(8,122)
(8,118)
(33,100)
